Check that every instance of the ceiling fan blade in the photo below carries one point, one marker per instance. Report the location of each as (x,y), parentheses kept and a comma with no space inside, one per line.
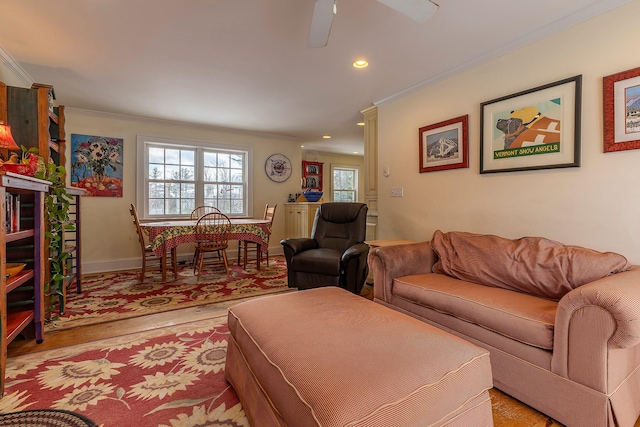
(321,23)
(418,10)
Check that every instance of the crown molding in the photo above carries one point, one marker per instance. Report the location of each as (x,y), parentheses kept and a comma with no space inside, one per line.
(190,125)
(15,68)
(598,8)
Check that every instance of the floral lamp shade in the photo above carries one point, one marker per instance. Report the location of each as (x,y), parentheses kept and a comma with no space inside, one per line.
(6,139)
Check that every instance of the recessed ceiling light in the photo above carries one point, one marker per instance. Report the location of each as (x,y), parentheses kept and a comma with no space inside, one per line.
(355,152)
(302,146)
(361,63)
(360,123)
(326,136)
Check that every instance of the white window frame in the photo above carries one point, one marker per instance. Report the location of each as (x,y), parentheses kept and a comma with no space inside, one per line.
(142,162)
(346,167)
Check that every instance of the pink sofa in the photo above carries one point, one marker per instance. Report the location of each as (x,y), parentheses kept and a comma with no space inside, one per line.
(561,323)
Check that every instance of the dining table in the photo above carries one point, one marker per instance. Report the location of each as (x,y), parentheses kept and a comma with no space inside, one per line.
(166,235)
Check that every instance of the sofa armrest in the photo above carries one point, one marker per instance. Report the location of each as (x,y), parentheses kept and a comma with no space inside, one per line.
(389,262)
(593,319)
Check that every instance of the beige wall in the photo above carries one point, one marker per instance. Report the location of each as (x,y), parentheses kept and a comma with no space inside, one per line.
(333,159)
(108,237)
(596,205)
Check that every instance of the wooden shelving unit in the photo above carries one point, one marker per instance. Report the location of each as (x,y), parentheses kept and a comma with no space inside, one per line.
(22,295)
(34,121)
(312,175)
(72,245)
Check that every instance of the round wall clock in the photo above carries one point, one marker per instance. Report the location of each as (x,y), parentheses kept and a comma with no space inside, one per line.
(278,167)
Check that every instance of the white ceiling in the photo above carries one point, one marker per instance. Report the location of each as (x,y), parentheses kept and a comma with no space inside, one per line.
(244,64)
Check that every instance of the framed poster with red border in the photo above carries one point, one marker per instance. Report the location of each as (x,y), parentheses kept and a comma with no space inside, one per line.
(444,145)
(621,95)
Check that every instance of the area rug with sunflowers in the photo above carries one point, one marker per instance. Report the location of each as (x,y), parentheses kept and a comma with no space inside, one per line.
(168,377)
(172,376)
(120,295)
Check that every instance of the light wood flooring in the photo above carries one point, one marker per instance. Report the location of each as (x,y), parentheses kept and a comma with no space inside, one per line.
(67,337)
(55,339)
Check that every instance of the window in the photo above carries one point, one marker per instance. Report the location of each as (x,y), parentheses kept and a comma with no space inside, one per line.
(174,177)
(345,184)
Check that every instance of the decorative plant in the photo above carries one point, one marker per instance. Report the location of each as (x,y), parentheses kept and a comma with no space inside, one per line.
(57,204)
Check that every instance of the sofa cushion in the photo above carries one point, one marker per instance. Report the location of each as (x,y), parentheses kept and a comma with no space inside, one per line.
(531,264)
(516,315)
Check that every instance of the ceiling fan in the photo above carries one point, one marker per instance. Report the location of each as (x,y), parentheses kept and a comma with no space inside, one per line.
(323,11)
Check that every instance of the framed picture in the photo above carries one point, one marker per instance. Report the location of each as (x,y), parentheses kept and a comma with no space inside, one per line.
(444,145)
(622,110)
(96,165)
(535,129)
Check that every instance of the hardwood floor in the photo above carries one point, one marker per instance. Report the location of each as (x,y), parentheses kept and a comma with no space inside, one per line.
(63,338)
(55,339)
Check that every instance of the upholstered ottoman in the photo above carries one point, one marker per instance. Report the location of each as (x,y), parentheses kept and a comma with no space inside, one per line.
(326,357)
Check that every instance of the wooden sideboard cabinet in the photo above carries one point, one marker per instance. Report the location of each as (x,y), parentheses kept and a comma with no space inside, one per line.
(299,218)
(21,241)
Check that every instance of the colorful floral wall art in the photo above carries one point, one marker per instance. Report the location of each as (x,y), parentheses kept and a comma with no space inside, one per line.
(96,165)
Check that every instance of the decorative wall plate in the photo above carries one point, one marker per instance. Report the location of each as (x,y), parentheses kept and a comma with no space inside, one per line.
(278,167)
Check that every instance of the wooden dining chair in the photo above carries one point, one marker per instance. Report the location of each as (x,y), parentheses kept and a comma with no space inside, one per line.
(148,256)
(245,247)
(203,210)
(212,236)
(196,214)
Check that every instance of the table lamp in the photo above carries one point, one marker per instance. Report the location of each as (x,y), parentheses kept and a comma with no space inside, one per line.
(6,139)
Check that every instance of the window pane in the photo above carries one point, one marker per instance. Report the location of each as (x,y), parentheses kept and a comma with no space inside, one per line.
(171,206)
(187,206)
(209,159)
(172,157)
(156,190)
(210,191)
(223,160)
(210,174)
(223,175)
(187,173)
(188,191)
(236,175)
(237,192)
(156,206)
(180,179)
(187,157)
(236,206)
(172,191)
(345,183)
(156,171)
(172,172)
(156,155)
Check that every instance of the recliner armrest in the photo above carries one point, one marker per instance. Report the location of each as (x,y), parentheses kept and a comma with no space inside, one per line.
(299,244)
(355,251)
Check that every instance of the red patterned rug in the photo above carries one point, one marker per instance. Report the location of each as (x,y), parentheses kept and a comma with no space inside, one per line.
(167,377)
(120,295)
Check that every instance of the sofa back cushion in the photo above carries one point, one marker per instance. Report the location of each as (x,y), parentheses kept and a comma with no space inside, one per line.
(533,265)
